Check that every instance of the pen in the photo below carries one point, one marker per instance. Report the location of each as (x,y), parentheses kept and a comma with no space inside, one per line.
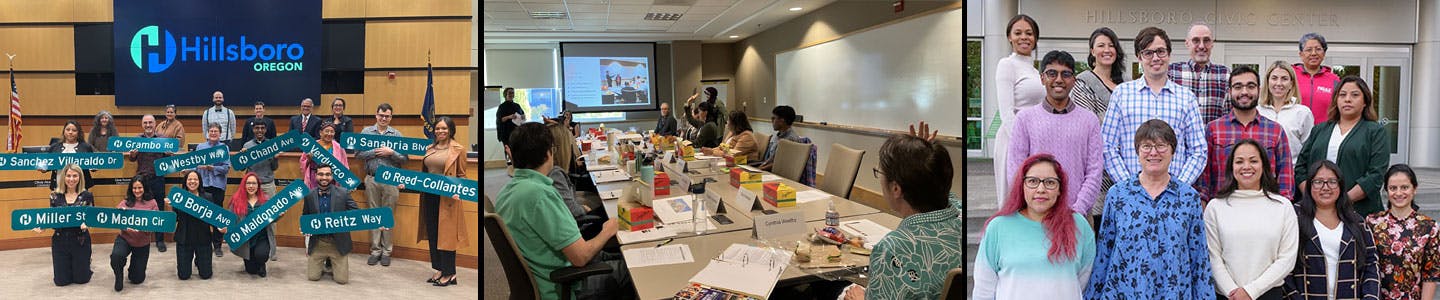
(667,241)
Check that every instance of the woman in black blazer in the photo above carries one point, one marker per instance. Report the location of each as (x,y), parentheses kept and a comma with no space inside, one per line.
(71,141)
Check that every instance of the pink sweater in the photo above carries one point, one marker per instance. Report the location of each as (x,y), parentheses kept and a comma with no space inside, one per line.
(138,238)
(1073,138)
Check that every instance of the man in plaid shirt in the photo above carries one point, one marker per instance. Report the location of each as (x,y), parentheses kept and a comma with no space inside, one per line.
(1244,123)
(1207,80)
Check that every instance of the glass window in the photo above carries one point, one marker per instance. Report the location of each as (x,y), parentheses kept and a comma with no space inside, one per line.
(1386,89)
(973,96)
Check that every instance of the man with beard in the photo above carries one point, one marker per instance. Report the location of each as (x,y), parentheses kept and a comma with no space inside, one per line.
(1055,127)
(1244,122)
(1201,75)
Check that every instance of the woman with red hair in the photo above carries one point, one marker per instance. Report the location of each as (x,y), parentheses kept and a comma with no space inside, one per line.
(1035,238)
(255,251)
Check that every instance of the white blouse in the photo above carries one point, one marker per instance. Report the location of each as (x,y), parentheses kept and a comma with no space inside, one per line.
(1297,121)
(1330,245)
(1017,86)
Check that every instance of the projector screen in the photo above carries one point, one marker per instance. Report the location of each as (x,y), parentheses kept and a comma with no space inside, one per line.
(608,76)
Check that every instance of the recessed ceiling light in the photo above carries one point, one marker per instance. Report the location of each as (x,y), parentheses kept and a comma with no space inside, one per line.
(734,36)
(795,9)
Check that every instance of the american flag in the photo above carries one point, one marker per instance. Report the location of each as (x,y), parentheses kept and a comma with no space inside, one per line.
(13,144)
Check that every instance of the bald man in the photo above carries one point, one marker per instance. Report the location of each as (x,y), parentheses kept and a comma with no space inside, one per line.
(306,122)
(1208,80)
(222,116)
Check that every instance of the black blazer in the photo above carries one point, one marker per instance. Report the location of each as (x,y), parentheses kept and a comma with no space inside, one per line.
(83,147)
(346,125)
(313,129)
(249,132)
(339,201)
(190,230)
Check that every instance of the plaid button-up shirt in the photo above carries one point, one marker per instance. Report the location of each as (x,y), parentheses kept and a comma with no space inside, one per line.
(1222,135)
(1134,103)
(1209,85)
(1356,278)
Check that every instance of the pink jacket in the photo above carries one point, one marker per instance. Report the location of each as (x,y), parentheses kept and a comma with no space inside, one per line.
(1316,91)
(335,149)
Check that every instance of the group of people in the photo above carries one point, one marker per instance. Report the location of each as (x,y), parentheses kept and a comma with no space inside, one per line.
(441,218)
(1200,181)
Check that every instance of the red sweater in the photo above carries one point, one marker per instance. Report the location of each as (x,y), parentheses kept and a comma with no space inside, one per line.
(138,238)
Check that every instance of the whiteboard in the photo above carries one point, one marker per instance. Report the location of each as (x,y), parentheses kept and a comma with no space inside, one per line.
(885,78)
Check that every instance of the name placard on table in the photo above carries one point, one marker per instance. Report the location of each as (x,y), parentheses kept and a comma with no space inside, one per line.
(779,225)
(207,156)
(444,186)
(262,216)
(364,142)
(139,144)
(55,161)
(347,221)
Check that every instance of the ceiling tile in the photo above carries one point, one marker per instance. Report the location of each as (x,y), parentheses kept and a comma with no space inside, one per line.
(629,9)
(520,27)
(541,1)
(537,7)
(572,2)
(697,17)
(515,22)
(589,16)
(627,17)
(713,2)
(503,6)
(510,15)
(706,9)
(669,9)
(588,22)
(632,2)
(565,23)
(595,8)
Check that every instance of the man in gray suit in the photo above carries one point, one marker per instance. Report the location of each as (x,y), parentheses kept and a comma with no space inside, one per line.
(328,248)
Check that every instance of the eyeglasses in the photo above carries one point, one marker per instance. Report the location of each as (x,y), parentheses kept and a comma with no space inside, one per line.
(382,116)
(1205,40)
(1313,50)
(876,172)
(1326,183)
(1154,148)
(1052,74)
(1051,183)
(1148,54)
(1247,86)
(1399,188)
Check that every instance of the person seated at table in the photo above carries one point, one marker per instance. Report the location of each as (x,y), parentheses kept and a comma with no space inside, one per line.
(543,228)
(911,262)
(740,138)
(562,151)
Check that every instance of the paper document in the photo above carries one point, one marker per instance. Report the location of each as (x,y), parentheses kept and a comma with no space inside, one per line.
(609,176)
(665,255)
(754,273)
(811,195)
(769,177)
(756,255)
(867,229)
(630,237)
(611,194)
(672,209)
(600,167)
(749,168)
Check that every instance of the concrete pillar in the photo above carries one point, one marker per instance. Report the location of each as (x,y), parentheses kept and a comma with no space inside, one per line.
(1424,127)
(995,47)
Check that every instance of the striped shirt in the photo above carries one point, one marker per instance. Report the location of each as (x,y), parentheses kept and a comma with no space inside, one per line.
(1223,133)
(1208,83)
(1132,104)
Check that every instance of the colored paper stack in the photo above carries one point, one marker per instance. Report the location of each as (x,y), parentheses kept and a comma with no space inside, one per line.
(741,178)
(662,184)
(779,194)
(636,218)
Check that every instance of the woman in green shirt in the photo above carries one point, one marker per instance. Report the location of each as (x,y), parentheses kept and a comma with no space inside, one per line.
(1354,140)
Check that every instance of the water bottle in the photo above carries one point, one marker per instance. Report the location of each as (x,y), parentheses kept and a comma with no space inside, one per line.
(697,218)
(832,218)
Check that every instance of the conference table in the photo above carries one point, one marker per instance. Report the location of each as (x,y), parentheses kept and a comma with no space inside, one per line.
(663,281)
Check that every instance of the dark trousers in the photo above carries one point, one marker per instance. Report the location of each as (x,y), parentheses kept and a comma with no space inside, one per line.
(156,186)
(200,254)
(440,260)
(139,258)
(70,254)
(259,254)
(1272,294)
(217,196)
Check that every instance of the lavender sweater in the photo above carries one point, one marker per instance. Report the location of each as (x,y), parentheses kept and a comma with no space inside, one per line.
(1073,138)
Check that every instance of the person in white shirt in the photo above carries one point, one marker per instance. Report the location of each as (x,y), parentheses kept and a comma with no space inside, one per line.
(1250,228)
(1280,102)
(1017,86)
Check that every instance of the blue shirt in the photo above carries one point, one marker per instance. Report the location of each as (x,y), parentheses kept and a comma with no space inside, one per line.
(1151,248)
(1132,104)
(215,177)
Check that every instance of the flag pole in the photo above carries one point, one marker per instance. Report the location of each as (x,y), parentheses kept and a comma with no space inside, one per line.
(10,142)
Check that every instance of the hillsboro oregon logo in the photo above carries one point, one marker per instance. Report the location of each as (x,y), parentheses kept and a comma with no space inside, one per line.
(276,57)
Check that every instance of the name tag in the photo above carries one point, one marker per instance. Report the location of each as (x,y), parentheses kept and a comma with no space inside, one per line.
(138,219)
(207,156)
(347,221)
(444,186)
(139,144)
(263,215)
(779,225)
(745,198)
(266,150)
(56,161)
(182,201)
(343,176)
(45,218)
(363,142)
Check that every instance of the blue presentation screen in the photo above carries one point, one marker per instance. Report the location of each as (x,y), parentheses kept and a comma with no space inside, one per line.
(181,51)
(608,76)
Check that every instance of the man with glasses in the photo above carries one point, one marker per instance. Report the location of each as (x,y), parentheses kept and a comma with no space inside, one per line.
(1206,79)
(306,122)
(1316,82)
(1055,127)
(1154,96)
(381,195)
(1245,123)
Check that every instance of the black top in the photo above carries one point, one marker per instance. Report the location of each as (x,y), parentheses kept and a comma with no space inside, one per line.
(249,132)
(58,200)
(502,127)
(346,125)
(190,230)
(83,147)
(667,126)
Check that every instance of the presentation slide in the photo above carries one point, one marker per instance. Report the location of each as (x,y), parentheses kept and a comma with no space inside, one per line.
(608,76)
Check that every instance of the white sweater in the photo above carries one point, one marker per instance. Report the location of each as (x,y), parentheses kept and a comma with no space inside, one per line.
(1297,121)
(1252,241)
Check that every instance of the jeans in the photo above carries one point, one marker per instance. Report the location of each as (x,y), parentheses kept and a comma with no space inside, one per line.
(200,254)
